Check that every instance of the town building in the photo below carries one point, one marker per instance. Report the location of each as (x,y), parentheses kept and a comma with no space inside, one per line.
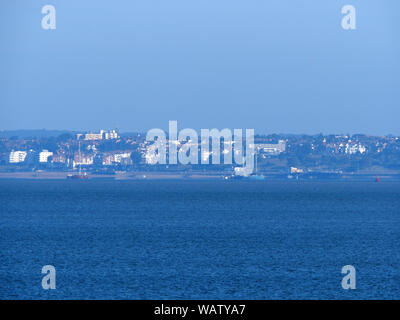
(122,158)
(355,148)
(102,135)
(59,158)
(273,149)
(17,156)
(44,156)
(84,160)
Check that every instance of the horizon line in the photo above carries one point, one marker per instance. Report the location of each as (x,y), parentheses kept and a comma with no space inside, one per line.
(256,134)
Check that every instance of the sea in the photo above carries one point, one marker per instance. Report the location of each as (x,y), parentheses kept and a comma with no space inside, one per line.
(193,239)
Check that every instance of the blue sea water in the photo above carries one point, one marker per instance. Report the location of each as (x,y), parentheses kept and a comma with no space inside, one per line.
(199,239)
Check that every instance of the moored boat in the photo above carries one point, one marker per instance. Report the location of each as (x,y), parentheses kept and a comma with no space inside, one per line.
(78,176)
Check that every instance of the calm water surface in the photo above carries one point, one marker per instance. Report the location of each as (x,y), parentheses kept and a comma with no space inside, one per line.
(199,240)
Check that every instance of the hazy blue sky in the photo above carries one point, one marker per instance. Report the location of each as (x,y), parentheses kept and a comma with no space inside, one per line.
(276,66)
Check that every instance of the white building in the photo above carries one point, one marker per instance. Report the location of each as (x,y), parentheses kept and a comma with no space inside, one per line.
(355,148)
(94,136)
(273,149)
(44,156)
(112,134)
(106,135)
(120,157)
(123,158)
(84,160)
(17,156)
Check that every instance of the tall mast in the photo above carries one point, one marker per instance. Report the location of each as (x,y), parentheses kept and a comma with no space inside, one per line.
(256,160)
(80,158)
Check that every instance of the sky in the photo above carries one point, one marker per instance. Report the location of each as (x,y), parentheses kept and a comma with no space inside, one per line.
(278,66)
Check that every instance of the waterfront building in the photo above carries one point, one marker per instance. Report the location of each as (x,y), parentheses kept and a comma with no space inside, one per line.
(84,160)
(122,158)
(17,156)
(44,156)
(59,158)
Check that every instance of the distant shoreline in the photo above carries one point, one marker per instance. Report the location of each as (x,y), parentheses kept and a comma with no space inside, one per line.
(61,175)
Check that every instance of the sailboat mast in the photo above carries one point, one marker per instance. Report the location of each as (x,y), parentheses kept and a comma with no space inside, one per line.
(80,158)
(256,160)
